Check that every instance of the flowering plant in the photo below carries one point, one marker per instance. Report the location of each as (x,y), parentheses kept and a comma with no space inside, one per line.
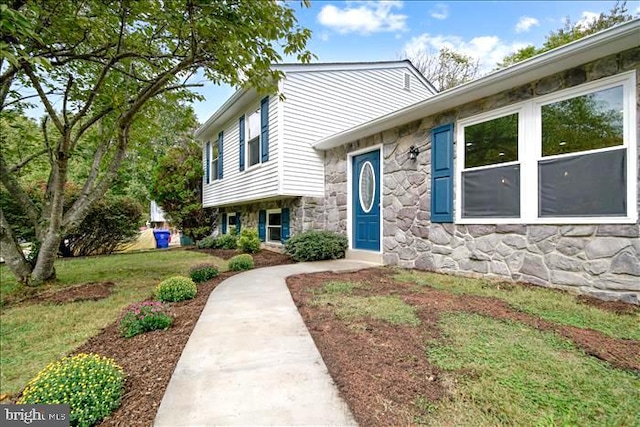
(92,386)
(143,317)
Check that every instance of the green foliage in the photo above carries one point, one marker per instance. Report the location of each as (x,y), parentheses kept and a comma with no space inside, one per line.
(571,32)
(90,384)
(177,288)
(507,373)
(177,187)
(144,317)
(110,223)
(227,241)
(316,245)
(241,262)
(208,242)
(203,272)
(249,241)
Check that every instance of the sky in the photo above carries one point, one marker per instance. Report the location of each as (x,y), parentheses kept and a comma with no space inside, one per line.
(361,31)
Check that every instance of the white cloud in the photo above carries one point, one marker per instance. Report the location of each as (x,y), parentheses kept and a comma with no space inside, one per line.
(587,18)
(525,23)
(365,18)
(324,36)
(489,50)
(440,11)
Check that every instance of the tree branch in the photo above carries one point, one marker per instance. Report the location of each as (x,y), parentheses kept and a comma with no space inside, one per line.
(15,189)
(15,168)
(43,97)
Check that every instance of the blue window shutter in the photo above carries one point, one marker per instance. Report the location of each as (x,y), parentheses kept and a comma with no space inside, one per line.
(264,128)
(241,130)
(262,225)
(237,222)
(442,174)
(285,225)
(207,165)
(224,223)
(220,139)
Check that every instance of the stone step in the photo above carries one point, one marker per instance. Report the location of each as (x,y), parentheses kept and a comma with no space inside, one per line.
(368,256)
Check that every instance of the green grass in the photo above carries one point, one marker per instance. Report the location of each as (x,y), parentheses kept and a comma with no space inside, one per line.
(510,374)
(35,334)
(559,307)
(390,309)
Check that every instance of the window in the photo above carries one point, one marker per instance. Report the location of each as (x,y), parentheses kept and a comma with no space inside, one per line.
(231,223)
(274,225)
(491,175)
(253,138)
(568,157)
(214,161)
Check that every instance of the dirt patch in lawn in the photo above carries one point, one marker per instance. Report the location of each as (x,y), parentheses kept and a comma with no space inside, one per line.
(86,292)
(618,307)
(264,258)
(149,359)
(381,370)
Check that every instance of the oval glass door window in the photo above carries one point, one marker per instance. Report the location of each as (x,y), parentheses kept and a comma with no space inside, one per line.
(367,186)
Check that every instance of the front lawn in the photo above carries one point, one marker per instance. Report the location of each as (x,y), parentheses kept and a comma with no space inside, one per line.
(35,333)
(408,347)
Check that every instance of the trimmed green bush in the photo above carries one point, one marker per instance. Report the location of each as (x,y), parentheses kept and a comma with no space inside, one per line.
(228,241)
(90,384)
(209,242)
(177,288)
(241,262)
(203,272)
(144,317)
(249,242)
(316,245)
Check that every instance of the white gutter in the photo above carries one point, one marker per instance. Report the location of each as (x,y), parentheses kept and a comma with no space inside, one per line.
(616,39)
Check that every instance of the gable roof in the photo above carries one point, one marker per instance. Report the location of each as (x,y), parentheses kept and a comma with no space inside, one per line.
(239,100)
(613,40)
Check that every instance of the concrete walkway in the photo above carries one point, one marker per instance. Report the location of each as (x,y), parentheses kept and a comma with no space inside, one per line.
(250,359)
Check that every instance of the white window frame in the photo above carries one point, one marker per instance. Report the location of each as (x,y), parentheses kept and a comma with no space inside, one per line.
(214,160)
(247,139)
(229,223)
(266,226)
(530,153)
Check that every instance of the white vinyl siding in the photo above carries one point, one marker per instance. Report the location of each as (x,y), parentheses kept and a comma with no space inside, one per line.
(321,103)
(258,182)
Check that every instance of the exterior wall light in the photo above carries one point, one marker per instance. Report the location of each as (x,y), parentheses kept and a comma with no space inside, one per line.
(413,152)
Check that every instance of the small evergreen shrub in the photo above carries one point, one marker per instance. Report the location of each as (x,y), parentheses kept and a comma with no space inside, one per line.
(90,384)
(249,242)
(316,245)
(177,288)
(241,262)
(228,241)
(144,317)
(209,242)
(202,273)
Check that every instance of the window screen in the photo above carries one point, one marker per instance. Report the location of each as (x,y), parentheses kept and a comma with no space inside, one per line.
(493,192)
(584,186)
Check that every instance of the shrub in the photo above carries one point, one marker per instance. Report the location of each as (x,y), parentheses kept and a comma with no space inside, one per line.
(90,384)
(316,245)
(228,241)
(177,288)
(241,262)
(249,241)
(208,243)
(144,317)
(202,273)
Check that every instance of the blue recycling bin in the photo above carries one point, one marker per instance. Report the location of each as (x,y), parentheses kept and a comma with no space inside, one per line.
(162,238)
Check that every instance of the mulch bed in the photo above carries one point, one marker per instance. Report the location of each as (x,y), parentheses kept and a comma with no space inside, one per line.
(381,370)
(149,359)
(263,258)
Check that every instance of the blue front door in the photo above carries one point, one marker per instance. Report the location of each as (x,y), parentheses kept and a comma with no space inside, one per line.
(366,201)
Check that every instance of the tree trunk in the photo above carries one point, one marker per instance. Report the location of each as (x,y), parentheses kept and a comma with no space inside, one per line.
(44,270)
(12,252)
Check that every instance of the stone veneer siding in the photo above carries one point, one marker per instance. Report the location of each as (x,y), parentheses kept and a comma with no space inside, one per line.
(601,260)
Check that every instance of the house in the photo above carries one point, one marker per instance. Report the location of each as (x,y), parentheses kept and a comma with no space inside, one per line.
(529,173)
(261,169)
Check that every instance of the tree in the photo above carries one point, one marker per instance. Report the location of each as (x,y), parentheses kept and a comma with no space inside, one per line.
(571,32)
(100,68)
(181,199)
(445,70)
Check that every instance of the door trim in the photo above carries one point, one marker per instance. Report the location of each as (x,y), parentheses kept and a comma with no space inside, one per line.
(350,195)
